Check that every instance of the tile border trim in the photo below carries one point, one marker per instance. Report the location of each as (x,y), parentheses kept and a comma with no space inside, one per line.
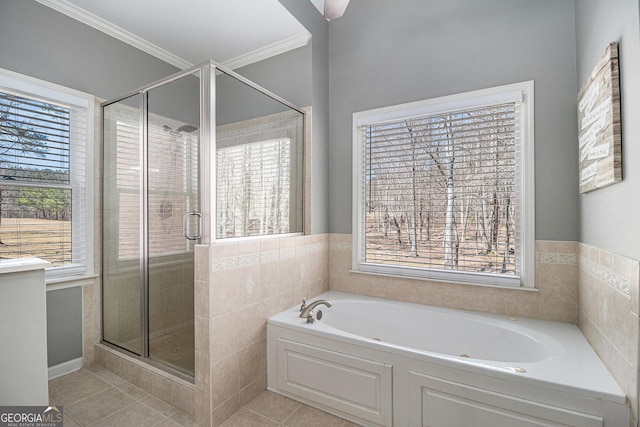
(557,258)
(613,279)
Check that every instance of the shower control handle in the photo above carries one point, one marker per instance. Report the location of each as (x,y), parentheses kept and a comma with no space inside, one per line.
(185,225)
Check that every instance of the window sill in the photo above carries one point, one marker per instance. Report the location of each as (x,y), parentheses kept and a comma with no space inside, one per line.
(56,283)
(452,282)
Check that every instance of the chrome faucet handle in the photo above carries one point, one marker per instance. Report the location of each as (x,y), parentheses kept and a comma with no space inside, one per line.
(310,317)
(304,304)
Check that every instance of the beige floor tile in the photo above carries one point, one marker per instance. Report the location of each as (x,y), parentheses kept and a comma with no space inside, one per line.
(106,375)
(69,422)
(90,398)
(167,422)
(184,419)
(70,391)
(73,376)
(60,382)
(307,416)
(136,415)
(247,418)
(99,406)
(133,391)
(160,405)
(273,406)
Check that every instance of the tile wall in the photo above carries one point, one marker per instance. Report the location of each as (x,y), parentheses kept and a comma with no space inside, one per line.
(91,297)
(90,322)
(608,315)
(555,296)
(171,296)
(239,285)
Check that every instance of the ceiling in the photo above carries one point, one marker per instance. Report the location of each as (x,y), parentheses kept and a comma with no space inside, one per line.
(233,33)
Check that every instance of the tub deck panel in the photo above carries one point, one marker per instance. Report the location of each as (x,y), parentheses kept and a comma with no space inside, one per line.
(354,385)
(436,402)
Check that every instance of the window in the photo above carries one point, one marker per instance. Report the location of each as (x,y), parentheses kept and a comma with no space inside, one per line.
(253,188)
(444,188)
(172,181)
(259,176)
(45,200)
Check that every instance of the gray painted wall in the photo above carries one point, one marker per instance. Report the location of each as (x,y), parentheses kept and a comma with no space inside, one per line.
(37,41)
(314,22)
(610,215)
(390,52)
(64,325)
(237,101)
(287,75)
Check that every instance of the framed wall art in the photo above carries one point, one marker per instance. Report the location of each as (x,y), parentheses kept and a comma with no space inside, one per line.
(600,142)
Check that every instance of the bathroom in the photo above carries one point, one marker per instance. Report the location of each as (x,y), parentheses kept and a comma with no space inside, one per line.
(393,53)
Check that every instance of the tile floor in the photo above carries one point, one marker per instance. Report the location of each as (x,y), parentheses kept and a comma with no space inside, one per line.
(94,396)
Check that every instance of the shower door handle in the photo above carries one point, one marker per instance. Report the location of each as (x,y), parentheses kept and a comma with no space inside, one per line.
(185,225)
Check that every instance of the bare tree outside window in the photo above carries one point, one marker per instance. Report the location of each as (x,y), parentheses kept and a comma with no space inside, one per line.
(440,191)
(253,188)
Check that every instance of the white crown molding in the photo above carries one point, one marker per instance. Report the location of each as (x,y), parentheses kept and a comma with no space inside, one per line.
(273,49)
(100,24)
(121,34)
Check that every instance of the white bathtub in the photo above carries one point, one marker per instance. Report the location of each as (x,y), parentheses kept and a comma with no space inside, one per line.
(381,362)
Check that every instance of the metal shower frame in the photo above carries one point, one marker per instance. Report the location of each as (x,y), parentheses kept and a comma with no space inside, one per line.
(207,180)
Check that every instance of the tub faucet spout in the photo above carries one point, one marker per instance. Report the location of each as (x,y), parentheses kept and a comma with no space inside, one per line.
(308,310)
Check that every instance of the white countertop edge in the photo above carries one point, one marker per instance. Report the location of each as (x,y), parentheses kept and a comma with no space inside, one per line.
(22,264)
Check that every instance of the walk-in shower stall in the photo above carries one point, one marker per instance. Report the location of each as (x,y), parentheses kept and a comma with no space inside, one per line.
(201,155)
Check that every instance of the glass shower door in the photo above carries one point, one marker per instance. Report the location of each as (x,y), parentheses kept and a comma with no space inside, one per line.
(173,219)
(151,221)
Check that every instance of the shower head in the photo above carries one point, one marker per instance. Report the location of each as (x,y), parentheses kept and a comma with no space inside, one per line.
(183,128)
(187,128)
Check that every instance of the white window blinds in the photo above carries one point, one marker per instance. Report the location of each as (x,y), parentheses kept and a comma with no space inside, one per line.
(253,188)
(172,184)
(441,194)
(43,195)
(441,191)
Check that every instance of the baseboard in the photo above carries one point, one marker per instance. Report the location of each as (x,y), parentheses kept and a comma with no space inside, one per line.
(65,368)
